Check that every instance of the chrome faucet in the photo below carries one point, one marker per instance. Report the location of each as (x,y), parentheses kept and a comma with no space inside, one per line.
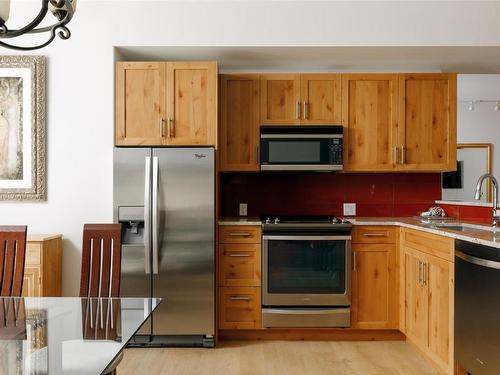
(479,193)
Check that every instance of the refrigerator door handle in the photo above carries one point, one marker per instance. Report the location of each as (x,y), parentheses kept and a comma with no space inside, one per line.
(156,224)
(147,214)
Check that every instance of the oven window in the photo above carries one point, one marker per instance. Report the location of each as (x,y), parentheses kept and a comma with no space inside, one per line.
(306,267)
(295,152)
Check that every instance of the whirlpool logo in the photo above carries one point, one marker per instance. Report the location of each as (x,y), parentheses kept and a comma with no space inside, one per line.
(200,156)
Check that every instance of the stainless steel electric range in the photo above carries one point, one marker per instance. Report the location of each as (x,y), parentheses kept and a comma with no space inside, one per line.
(306,271)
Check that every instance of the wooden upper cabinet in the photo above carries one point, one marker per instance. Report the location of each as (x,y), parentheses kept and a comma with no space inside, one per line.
(140,103)
(321,99)
(240,121)
(370,119)
(428,131)
(191,103)
(280,99)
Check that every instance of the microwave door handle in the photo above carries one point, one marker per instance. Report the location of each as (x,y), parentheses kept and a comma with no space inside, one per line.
(147,215)
(155,214)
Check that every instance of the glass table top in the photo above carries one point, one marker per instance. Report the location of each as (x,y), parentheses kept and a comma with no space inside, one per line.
(77,336)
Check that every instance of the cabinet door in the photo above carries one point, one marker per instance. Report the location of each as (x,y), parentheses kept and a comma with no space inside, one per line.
(31,282)
(416,301)
(369,112)
(239,265)
(191,103)
(374,289)
(140,103)
(321,97)
(240,121)
(280,99)
(428,130)
(439,275)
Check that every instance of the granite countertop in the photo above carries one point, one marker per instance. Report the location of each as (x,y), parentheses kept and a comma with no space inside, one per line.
(476,233)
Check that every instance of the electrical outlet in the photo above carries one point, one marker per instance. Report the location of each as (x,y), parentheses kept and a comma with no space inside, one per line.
(243,209)
(349,209)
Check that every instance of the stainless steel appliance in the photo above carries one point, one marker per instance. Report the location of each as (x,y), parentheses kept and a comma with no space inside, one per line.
(164,198)
(477,308)
(301,148)
(306,272)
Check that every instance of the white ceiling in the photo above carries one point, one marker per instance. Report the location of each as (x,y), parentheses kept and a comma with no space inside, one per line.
(479,60)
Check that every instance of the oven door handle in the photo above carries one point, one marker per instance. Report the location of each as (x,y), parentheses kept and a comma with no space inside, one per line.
(477,261)
(307,311)
(307,238)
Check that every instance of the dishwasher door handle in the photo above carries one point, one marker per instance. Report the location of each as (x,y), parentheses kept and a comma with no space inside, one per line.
(478,261)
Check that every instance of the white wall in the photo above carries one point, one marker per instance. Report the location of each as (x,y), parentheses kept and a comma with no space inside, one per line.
(80,77)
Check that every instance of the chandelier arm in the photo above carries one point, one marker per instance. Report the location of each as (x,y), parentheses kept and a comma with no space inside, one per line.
(63,22)
(6,33)
(58,30)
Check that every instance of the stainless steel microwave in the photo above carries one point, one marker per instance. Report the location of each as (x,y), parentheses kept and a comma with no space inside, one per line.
(301,148)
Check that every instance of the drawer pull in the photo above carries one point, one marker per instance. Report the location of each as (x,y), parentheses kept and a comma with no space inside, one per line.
(240,234)
(375,234)
(233,255)
(239,298)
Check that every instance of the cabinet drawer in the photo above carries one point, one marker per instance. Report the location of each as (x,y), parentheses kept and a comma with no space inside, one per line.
(429,243)
(374,234)
(239,264)
(33,253)
(239,234)
(239,308)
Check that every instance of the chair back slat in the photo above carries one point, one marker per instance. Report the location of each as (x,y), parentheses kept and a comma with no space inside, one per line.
(12,256)
(101,260)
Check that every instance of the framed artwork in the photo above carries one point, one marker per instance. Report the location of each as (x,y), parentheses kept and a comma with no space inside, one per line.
(22,128)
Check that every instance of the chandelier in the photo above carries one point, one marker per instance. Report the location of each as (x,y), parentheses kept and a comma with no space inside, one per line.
(62,10)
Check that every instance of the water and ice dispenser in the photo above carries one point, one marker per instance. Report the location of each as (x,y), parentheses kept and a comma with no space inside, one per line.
(132,220)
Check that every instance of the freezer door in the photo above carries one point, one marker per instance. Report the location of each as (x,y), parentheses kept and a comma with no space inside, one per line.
(184,244)
(132,208)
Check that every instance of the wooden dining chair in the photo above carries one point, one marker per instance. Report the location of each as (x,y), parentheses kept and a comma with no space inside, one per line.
(101,261)
(12,255)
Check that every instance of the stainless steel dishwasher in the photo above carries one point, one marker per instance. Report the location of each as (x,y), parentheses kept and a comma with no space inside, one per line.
(477,308)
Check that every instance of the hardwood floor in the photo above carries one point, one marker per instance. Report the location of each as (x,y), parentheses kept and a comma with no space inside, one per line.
(280,358)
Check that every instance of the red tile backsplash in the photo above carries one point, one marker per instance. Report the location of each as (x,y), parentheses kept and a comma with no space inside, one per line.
(471,213)
(375,194)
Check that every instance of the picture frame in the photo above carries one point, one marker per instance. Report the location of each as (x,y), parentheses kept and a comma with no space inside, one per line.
(22,128)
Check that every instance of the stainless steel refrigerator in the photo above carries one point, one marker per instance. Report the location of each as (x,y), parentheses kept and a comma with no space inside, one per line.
(164,198)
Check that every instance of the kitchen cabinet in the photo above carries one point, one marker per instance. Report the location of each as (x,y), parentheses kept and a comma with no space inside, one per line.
(239,122)
(288,99)
(140,103)
(166,103)
(280,99)
(428,304)
(239,277)
(42,266)
(428,123)
(370,119)
(374,298)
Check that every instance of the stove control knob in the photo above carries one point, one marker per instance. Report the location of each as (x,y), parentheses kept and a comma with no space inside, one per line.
(268,220)
(336,220)
(276,220)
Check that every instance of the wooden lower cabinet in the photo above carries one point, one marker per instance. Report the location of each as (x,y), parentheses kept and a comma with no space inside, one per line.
(428,304)
(42,272)
(374,298)
(239,265)
(239,308)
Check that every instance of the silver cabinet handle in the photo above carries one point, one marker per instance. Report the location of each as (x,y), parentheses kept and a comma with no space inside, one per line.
(257,155)
(375,234)
(239,298)
(235,255)
(420,273)
(395,154)
(155,214)
(171,127)
(354,261)
(305,115)
(403,155)
(240,234)
(424,273)
(162,128)
(147,213)
(297,114)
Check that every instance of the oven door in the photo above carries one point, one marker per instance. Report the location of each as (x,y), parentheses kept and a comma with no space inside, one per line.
(306,270)
(301,152)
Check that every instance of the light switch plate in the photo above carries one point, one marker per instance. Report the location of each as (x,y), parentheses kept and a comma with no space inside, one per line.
(349,209)
(243,209)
